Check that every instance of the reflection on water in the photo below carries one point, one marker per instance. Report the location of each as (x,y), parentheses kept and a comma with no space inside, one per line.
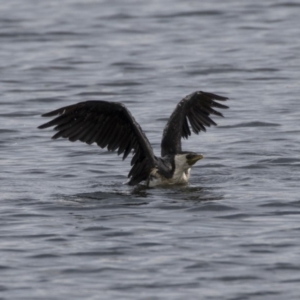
(137,195)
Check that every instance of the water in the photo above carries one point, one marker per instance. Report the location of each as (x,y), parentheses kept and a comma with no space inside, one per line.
(70,229)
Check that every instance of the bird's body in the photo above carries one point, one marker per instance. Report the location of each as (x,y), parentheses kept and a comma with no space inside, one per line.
(111,125)
(179,173)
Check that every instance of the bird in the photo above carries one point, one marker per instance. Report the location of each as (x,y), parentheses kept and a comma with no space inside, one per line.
(111,125)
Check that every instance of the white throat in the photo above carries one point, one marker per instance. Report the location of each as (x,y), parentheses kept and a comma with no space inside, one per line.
(182,169)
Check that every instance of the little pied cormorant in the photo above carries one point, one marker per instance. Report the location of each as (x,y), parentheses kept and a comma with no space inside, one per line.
(111,125)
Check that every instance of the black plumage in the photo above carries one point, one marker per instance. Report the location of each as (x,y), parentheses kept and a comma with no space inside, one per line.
(111,126)
(195,108)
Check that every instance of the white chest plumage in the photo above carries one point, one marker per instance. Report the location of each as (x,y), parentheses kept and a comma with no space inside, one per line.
(179,177)
(181,174)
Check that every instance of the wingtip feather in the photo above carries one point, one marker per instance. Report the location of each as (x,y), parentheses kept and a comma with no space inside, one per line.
(43,126)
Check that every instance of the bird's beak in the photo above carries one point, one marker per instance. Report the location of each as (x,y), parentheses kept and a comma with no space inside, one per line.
(192,160)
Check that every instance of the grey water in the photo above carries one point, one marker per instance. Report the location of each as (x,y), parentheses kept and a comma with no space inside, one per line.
(69,226)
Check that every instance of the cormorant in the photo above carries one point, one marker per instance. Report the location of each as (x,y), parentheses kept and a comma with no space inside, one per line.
(111,125)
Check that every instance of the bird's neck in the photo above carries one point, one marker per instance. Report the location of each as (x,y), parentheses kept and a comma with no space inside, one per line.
(181,175)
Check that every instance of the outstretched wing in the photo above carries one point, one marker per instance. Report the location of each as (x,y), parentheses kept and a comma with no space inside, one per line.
(108,124)
(195,108)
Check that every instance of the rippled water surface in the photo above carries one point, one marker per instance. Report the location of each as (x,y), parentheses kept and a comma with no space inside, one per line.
(70,228)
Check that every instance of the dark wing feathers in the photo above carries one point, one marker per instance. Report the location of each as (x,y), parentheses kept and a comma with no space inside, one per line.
(196,109)
(111,125)
(108,124)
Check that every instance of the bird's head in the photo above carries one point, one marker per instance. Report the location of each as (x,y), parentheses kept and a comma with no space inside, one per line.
(187,159)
